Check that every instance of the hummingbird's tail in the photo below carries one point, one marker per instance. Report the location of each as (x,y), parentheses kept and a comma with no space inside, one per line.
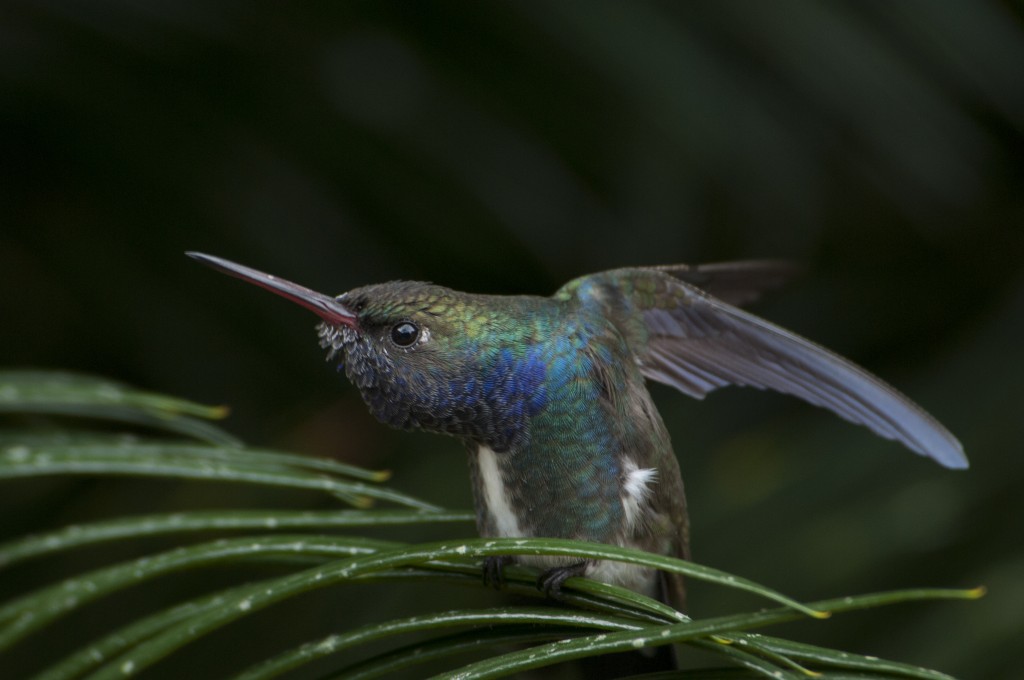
(673,591)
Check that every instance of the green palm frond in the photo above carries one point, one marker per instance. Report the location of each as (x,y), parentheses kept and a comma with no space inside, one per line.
(52,431)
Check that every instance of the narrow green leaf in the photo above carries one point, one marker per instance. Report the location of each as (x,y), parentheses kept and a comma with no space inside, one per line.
(822,657)
(181,425)
(749,645)
(500,616)
(623,597)
(773,666)
(162,460)
(403,658)
(604,643)
(56,393)
(228,520)
(290,460)
(585,593)
(43,436)
(129,445)
(25,387)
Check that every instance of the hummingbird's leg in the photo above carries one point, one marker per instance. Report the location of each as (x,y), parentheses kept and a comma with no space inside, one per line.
(550,582)
(494,567)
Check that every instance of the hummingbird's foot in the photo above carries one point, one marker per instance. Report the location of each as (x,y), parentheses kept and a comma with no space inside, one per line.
(494,570)
(550,582)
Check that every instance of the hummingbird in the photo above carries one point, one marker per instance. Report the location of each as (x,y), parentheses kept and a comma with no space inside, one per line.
(549,394)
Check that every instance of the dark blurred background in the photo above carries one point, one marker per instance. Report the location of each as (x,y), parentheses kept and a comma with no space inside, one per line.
(508,147)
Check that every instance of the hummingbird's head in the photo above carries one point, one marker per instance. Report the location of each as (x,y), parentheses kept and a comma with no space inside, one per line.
(409,354)
(415,351)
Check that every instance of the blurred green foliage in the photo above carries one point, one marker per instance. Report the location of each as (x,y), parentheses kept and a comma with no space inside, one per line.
(507,147)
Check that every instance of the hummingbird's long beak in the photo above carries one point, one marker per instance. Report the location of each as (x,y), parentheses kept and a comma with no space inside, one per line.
(327,308)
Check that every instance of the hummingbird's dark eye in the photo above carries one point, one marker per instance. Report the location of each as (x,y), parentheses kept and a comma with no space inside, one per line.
(404,334)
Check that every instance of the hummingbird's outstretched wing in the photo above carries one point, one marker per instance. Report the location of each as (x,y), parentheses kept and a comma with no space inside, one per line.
(697,343)
(738,283)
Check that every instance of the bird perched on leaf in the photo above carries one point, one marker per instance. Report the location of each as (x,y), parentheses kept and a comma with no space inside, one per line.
(549,394)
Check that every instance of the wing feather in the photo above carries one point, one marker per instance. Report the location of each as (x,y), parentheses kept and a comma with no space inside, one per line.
(697,344)
(738,283)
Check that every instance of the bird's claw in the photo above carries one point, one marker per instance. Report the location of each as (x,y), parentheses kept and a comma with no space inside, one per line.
(494,571)
(550,582)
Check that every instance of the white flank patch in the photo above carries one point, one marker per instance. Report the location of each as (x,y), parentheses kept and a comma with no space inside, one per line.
(640,579)
(636,491)
(495,497)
